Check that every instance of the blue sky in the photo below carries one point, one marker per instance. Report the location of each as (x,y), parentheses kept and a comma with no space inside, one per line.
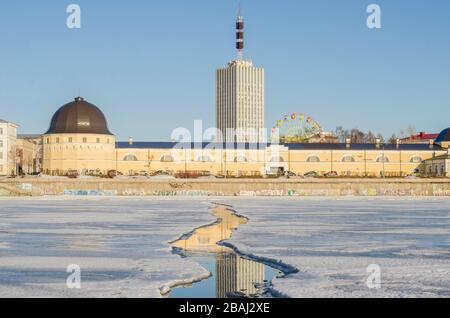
(149,65)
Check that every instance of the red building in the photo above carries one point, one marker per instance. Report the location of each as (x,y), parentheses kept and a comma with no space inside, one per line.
(420,138)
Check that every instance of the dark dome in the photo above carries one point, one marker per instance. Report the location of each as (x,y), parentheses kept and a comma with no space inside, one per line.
(79,117)
(444,136)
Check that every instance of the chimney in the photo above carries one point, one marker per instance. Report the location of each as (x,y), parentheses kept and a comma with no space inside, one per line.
(378,143)
(130,141)
(348,141)
(398,143)
(431,142)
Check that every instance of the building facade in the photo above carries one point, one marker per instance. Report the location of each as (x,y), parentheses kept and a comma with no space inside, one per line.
(240,102)
(79,140)
(439,165)
(29,154)
(8,147)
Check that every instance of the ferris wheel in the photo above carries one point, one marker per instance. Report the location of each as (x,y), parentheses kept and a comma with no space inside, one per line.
(296,128)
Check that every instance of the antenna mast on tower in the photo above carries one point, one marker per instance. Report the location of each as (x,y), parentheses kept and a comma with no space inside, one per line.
(240,35)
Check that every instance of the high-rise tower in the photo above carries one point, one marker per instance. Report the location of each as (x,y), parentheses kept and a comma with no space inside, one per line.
(240,96)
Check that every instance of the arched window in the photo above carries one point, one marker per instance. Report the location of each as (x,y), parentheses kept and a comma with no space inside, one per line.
(130,158)
(277,159)
(416,159)
(204,159)
(240,159)
(383,159)
(348,158)
(167,158)
(313,159)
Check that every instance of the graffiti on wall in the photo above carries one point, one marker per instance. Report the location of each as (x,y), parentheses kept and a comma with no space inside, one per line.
(26,186)
(266,193)
(187,193)
(108,193)
(133,192)
(392,192)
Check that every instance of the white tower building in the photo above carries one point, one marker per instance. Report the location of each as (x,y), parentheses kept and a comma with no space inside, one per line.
(240,97)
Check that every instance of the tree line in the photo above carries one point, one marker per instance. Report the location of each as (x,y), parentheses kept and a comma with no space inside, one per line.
(357,136)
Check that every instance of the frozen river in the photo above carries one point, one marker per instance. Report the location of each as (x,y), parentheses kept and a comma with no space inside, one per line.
(122,245)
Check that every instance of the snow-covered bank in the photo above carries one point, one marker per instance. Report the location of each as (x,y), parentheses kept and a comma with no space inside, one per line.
(333,241)
(121,246)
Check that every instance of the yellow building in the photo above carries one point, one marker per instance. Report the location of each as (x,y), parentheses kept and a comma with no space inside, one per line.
(79,139)
(439,165)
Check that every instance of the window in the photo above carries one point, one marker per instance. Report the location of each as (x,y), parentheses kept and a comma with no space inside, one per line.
(1,143)
(240,159)
(348,159)
(1,168)
(416,159)
(204,159)
(313,159)
(48,140)
(1,155)
(98,140)
(383,159)
(84,139)
(276,159)
(70,139)
(57,139)
(1,131)
(166,158)
(130,158)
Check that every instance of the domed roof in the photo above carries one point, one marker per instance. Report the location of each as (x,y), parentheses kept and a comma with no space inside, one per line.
(79,117)
(444,136)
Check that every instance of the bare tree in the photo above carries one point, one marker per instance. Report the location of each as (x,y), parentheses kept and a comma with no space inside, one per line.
(370,138)
(340,134)
(357,136)
(393,139)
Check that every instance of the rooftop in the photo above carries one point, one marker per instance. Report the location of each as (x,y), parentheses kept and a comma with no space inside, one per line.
(2,121)
(422,136)
(303,146)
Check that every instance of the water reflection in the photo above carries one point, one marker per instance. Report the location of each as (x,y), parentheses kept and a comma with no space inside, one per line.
(232,275)
(237,275)
(206,238)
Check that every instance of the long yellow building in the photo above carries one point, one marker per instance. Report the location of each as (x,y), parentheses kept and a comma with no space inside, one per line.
(79,140)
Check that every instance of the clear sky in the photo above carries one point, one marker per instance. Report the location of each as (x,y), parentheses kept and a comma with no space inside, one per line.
(150,65)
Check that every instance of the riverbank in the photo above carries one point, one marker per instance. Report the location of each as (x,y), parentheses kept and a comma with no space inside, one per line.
(223,187)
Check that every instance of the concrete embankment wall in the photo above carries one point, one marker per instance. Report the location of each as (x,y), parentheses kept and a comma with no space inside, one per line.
(263,187)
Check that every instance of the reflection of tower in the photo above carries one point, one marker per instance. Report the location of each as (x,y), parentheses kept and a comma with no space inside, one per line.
(249,273)
(225,274)
(235,274)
